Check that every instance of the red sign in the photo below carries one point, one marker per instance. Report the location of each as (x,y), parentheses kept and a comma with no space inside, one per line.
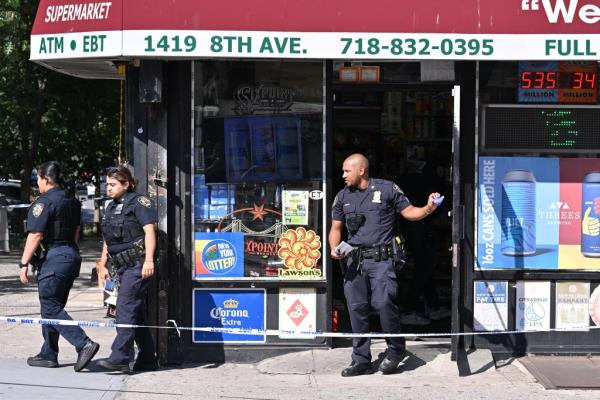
(433,16)
(297,312)
(63,16)
(261,248)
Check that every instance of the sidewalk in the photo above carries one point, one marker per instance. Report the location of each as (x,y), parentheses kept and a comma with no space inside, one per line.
(428,372)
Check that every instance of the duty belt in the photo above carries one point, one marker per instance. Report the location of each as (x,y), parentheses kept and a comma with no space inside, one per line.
(129,257)
(126,258)
(378,252)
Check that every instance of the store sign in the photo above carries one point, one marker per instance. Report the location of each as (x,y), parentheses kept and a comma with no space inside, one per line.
(261,248)
(566,11)
(229,308)
(538,213)
(551,29)
(218,255)
(262,98)
(299,249)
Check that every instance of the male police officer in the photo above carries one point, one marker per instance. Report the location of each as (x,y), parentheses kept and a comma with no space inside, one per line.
(368,208)
(53,221)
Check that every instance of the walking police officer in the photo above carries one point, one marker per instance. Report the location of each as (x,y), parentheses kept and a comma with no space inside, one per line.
(129,235)
(368,207)
(53,222)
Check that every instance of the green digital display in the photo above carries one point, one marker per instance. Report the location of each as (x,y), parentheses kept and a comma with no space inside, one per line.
(543,129)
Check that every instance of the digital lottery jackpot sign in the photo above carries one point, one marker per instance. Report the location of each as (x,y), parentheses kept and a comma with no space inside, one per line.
(558,82)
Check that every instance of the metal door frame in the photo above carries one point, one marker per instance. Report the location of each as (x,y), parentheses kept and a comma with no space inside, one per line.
(457,224)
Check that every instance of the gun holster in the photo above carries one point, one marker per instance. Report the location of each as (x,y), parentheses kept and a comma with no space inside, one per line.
(398,252)
(38,258)
(355,222)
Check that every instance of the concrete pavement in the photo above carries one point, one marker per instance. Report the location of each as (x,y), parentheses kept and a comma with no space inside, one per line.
(427,373)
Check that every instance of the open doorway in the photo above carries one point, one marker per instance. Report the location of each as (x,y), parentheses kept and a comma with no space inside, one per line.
(406,133)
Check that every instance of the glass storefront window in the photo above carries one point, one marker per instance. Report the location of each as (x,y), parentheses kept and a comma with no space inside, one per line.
(258,170)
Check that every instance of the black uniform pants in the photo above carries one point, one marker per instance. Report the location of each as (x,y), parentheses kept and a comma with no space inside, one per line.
(55,281)
(373,287)
(130,310)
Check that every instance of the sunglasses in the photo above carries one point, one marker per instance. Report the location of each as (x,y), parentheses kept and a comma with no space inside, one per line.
(112,170)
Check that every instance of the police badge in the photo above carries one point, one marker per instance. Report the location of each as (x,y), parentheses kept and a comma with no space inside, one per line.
(143,200)
(377,196)
(37,209)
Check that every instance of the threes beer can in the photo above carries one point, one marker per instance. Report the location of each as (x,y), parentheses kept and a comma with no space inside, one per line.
(590,214)
(518,213)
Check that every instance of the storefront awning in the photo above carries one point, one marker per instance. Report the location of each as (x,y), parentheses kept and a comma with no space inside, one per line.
(69,30)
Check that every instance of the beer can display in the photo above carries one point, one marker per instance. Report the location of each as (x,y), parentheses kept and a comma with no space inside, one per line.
(518,213)
(590,214)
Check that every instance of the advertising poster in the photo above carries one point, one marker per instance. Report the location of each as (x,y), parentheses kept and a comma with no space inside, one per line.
(490,312)
(572,300)
(299,249)
(218,255)
(295,207)
(297,312)
(533,306)
(228,308)
(538,213)
(594,306)
(580,227)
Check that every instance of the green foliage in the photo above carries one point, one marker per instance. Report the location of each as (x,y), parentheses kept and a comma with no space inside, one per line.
(45,115)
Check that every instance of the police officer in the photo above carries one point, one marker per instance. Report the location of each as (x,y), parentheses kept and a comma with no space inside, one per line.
(129,235)
(53,222)
(368,207)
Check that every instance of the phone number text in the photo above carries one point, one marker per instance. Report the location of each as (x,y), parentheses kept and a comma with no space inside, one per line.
(418,47)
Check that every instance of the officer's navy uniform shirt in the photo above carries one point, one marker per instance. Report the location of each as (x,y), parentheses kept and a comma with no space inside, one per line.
(379,203)
(135,207)
(43,211)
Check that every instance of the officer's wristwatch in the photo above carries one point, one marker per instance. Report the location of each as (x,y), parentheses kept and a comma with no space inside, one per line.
(21,265)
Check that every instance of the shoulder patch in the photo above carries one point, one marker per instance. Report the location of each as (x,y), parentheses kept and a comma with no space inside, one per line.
(335,200)
(397,189)
(143,200)
(37,209)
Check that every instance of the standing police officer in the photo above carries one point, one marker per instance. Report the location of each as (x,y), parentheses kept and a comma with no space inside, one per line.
(368,207)
(129,235)
(53,222)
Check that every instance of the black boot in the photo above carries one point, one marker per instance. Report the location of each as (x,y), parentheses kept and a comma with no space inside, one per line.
(85,355)
(356,369)
(389,365)
(39,361)
(109,365)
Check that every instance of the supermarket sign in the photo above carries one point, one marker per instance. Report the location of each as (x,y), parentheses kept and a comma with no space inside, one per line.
(385,30)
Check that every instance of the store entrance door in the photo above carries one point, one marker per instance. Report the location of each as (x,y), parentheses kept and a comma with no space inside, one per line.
(406,132)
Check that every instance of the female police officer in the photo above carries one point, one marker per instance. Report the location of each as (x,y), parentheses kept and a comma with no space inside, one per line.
(129,235)
(53,221)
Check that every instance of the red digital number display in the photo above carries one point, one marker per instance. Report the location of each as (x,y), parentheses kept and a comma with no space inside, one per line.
(554,80)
